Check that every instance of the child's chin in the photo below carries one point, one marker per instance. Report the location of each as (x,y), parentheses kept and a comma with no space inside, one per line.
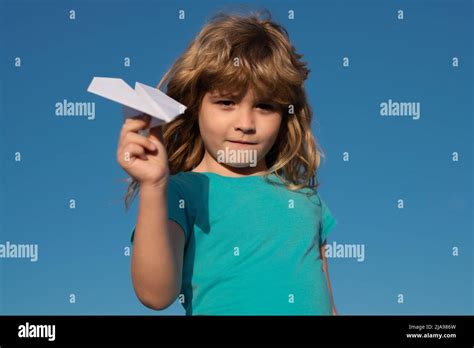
(240,165)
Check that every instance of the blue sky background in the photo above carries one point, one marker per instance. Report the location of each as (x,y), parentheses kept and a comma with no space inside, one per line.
(81,251)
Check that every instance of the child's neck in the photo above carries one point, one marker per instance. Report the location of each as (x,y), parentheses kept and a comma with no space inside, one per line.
(211,166)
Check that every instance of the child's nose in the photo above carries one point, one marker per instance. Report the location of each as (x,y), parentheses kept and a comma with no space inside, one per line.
(245,121)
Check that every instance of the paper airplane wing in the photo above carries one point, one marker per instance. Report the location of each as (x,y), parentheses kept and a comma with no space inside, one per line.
(134,104)
(166,107)
(118,91)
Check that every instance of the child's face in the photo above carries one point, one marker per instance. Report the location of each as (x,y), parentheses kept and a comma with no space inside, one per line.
(224,122)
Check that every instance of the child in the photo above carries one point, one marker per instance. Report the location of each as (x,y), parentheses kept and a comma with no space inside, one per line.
(230,220)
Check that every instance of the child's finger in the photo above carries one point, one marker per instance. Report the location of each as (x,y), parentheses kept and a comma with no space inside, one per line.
(134,124)
(140,140)
(133,150)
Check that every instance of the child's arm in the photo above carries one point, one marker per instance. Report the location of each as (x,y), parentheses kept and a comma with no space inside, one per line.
(325,269)
(157,256)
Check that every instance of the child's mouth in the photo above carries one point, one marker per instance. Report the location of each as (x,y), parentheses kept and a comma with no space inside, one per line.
(242,142)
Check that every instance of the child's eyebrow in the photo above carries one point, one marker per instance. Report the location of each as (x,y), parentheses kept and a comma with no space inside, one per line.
(217,95)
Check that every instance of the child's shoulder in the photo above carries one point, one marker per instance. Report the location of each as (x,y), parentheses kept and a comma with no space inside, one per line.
(184,179)
(188,182)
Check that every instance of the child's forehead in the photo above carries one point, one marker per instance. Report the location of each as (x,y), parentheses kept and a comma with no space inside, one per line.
(222,93)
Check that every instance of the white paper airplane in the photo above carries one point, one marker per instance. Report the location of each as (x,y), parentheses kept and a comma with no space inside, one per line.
(141,100)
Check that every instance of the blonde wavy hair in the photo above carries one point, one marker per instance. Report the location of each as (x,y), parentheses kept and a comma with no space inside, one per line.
(268,63)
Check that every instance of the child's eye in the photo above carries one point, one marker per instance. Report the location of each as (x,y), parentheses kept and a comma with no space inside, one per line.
(266,106)
(225,102)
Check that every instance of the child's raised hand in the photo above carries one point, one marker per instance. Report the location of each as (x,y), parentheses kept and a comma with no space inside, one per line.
(143,157)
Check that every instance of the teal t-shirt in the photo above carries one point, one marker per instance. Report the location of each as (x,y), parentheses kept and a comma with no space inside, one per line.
(252,246)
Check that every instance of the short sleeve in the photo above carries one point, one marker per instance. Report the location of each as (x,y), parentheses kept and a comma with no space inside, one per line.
(328,222)
(179,208)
